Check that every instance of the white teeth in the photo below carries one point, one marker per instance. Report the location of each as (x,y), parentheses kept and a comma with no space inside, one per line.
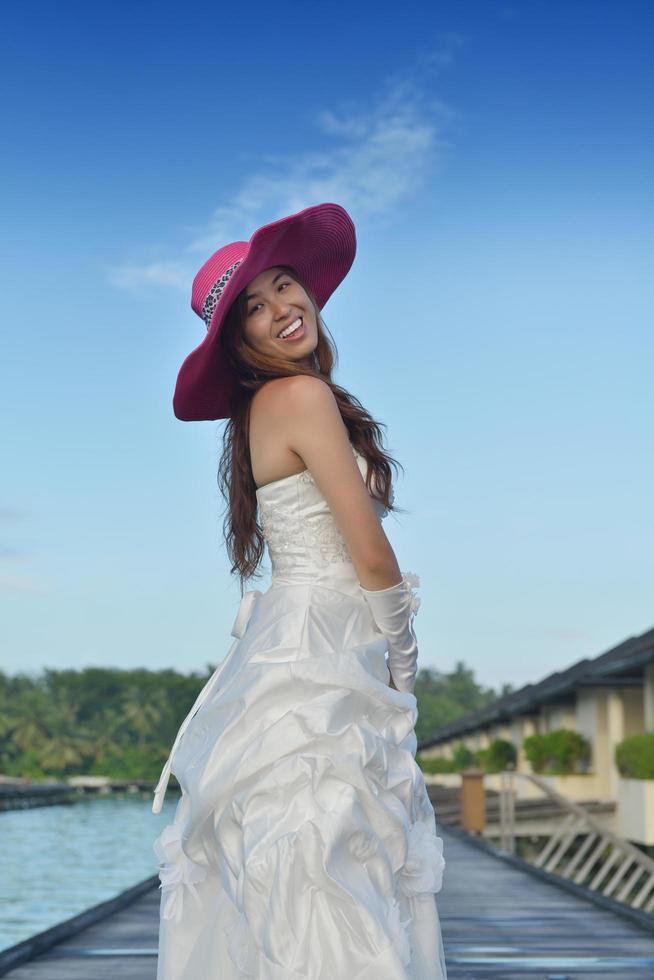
(291,329)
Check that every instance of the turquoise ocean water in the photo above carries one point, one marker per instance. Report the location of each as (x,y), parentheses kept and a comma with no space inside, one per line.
(57,861)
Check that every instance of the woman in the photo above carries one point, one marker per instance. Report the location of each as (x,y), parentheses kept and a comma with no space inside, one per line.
(304,845)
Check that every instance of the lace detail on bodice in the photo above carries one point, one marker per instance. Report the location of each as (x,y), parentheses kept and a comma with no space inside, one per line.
(286,532)
(298,526)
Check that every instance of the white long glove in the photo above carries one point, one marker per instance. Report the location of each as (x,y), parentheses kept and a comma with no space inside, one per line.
(393,610)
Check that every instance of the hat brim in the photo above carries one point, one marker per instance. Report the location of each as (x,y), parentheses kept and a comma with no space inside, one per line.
(319,243)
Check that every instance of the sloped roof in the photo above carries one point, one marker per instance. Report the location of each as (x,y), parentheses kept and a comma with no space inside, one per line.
(625,658)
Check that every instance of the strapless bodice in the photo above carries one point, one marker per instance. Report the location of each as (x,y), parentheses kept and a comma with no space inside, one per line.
(304,542)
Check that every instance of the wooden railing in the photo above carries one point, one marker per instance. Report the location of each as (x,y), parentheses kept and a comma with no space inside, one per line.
(581,850)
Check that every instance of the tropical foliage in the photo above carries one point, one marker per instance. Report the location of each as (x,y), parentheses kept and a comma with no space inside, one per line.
(122,723)
(96,721)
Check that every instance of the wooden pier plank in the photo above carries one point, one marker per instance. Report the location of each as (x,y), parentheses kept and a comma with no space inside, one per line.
(131,933)
(498,921)
(502,922)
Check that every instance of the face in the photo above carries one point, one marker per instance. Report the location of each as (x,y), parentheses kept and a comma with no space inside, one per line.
(275,301)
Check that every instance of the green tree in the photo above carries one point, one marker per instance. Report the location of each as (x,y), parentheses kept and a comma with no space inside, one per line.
(444,697)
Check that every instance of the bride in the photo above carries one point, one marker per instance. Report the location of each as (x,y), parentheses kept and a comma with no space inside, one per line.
(304,844)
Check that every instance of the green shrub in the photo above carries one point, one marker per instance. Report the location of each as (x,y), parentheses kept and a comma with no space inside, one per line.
(462,757)
(560,752)
(436,764)
(634,756)
(536,750)
(499,754)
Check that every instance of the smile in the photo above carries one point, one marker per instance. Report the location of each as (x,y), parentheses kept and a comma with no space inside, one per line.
(294,330)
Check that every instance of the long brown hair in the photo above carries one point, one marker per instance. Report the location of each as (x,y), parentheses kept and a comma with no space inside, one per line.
(243,535)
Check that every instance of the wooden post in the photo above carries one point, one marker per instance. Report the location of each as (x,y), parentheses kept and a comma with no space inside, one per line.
(510,810)
(473,801)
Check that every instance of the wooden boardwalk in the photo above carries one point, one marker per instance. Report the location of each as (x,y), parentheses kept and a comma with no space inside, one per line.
(502,922)
(498,921)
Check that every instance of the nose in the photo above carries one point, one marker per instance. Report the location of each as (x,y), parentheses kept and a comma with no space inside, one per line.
(281,309)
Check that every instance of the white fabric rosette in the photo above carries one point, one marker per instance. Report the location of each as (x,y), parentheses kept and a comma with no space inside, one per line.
(413,582)
(424,865)
(176,871)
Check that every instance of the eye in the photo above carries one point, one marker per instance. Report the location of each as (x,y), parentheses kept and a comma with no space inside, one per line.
(259,304)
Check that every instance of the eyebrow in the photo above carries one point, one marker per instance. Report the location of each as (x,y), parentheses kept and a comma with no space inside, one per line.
(251,295)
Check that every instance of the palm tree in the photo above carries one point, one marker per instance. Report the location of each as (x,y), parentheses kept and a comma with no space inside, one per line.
(67,745)
(143,716)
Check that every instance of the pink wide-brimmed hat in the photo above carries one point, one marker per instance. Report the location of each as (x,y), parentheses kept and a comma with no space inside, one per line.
(319,243)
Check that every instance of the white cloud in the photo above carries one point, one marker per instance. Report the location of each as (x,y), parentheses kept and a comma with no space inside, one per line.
(15,583)
(169,273)
(371,160)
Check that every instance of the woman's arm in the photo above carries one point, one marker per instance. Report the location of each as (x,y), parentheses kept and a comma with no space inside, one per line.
(315,431)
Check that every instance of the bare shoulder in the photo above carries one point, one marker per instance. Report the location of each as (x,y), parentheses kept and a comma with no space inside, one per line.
(307,412)
(280,400)
(299,388)
(307,391)
(311,404)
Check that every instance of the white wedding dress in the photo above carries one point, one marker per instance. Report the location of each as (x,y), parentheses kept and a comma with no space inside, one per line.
(304,844)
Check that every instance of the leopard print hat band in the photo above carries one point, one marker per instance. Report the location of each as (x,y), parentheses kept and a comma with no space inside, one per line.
(215,292)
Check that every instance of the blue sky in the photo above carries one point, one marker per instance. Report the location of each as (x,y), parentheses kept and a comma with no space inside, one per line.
(496,159)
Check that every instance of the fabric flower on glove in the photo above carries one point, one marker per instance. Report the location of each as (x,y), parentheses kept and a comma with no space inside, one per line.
(413,581)
(415,604)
